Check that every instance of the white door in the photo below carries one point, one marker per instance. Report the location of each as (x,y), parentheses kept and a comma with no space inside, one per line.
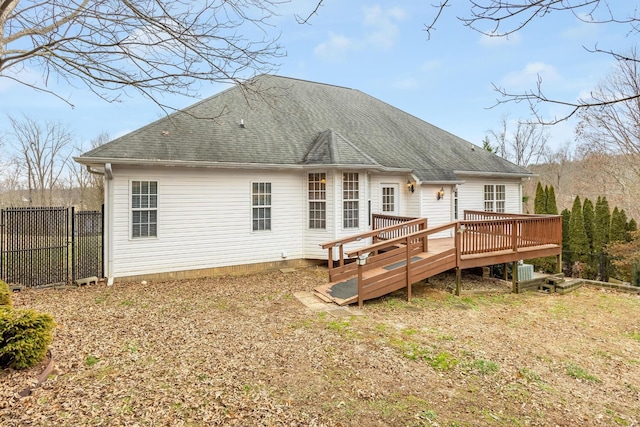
(389,202)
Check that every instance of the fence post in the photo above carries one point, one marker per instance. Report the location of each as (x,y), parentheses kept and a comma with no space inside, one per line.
(73,243)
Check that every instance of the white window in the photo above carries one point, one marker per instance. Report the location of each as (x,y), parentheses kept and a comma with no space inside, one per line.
(144,209)
(318,200)
(455,203)
(388,200)
(261,206)
(494,198)
(350,200)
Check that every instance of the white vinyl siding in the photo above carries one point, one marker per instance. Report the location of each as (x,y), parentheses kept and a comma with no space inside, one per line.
(471,194)
(204,222)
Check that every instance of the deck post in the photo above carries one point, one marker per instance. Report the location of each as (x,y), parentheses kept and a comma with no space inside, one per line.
(458,277)
(360,297)
(408,275)
(514,276)
(559,263)
(505,274)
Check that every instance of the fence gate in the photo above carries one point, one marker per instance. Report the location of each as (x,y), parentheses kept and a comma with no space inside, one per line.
(49,245)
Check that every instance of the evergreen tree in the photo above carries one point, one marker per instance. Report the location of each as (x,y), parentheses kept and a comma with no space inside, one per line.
(618,229)
(577,235)
(486,144)
(552,206)
(601,225)
(589,221)
(566,218)
(632,226)
(540,202)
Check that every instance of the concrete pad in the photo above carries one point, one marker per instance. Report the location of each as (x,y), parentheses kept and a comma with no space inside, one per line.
(311,301)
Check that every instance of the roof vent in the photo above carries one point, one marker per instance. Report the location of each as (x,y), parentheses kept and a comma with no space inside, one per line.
(242,123)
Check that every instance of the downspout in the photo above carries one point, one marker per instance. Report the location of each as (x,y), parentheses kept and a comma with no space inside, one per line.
(106,242)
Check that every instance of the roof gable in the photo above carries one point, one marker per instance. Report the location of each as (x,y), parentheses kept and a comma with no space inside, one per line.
(331,148)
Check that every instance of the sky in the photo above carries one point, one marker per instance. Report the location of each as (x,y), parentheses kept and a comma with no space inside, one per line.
(382,49)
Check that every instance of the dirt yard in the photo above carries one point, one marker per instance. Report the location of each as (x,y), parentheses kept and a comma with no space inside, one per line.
(245,351)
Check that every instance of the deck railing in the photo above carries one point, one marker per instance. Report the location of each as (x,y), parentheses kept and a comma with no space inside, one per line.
(346,267)
(389,223)
(489,236)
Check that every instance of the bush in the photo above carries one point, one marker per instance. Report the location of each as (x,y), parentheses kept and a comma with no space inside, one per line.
(24,337)
(5,295)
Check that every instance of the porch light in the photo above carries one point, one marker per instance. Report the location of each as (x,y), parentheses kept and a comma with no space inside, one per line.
(440,193)
(410,186)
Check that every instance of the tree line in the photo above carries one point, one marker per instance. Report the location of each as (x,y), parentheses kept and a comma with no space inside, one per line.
(598,243)
(36,168)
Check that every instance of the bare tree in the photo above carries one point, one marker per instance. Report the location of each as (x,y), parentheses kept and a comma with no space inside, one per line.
(615,128)
(42,154)
(524,145)
(89,186)
(501,18)
(152,46)
(558,161)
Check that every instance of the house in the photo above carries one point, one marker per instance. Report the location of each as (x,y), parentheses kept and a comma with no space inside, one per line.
(252,179)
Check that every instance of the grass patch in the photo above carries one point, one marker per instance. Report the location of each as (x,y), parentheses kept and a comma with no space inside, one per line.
(635,336)
(442,361)
(575,371)
(91,360)
(484,367)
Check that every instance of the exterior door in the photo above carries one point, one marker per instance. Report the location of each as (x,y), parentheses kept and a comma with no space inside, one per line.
(389,202)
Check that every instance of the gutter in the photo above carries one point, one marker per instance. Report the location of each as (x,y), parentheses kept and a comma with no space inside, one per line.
(107,173)
(228,165)
(495,174)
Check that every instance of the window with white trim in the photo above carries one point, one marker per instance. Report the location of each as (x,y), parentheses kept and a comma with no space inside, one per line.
(388,199)
(144,209)
(350,200)
(318,200)
(261,206)
(494,198)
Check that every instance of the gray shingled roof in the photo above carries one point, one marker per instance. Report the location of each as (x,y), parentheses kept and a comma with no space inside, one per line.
(290,122)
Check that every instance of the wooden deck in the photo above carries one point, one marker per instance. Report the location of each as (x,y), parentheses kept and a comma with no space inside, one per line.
(406,252)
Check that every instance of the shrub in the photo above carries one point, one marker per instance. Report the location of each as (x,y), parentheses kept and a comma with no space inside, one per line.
(5,295)
(24,337)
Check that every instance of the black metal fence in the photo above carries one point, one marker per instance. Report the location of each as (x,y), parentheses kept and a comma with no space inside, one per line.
(50,245)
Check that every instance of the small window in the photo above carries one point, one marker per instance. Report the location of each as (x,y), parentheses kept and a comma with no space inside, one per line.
(144,209)
(350,200)
(261,206)
(500,198)
(494,198)
(388,199)
(317,200)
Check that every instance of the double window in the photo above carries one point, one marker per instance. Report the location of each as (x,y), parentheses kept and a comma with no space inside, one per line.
(494,198)
(261,206)
(350,200)
(144,209)
(317,200)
